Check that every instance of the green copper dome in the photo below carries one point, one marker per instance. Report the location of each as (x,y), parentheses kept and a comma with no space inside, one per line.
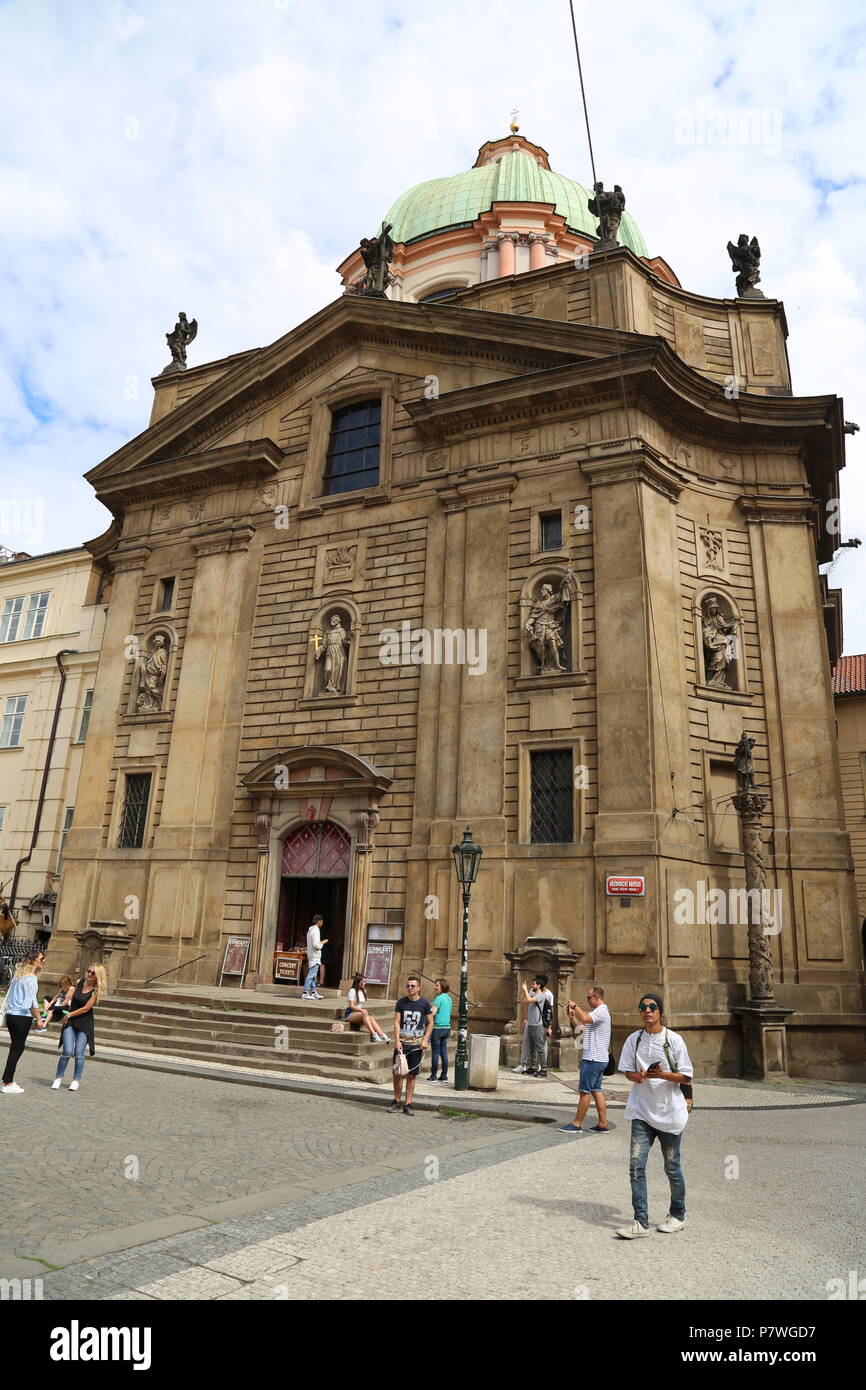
(516,177)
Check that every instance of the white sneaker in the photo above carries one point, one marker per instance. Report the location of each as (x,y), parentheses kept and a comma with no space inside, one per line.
(673,1223)
(12,1089)
(73,1085)
(317,995)
(518,1068)
(55,1085)
(633,1231)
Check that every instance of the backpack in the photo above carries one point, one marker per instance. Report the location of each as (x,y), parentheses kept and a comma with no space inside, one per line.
(546,1013)
(685,1086)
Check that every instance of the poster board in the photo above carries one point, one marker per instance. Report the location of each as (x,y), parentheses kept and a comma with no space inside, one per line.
(287,966)
(377,967)
(235,957)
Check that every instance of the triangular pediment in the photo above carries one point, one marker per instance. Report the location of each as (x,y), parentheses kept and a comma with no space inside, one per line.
(215,415)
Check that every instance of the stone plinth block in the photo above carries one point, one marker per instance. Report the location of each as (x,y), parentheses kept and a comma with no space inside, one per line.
(765,1044)
(483,1062)
(104,943)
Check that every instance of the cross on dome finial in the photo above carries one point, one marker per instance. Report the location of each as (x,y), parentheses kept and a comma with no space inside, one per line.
(514,125)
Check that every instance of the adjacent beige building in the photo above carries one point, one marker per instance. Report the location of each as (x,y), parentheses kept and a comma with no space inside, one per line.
(528,558)
(849,694)
(51,620)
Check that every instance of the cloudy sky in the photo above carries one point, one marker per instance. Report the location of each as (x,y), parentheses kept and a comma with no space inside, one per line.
(222,156)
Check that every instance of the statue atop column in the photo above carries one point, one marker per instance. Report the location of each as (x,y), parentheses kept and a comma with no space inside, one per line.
(178,341)
(334,647)
(543,627)
(745,260)
(608,207)
(377,252)
(743,765)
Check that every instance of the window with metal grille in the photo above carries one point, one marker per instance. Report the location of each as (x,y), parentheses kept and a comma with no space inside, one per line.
(85,716)
(13,718)
(134,817)
(551,797)
(353,447)
(551,531)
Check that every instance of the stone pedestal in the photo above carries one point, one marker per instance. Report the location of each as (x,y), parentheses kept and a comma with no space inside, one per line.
(106,944)
(551,956)
(765,1046)
(483,1062)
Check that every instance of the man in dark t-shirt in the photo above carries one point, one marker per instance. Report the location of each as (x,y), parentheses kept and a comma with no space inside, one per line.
(413,1023)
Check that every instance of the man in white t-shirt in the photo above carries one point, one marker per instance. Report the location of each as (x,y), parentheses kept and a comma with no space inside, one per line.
(314,957)
(657,1061)
(596,1050)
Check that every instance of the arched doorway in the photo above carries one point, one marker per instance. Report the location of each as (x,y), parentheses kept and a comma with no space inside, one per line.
(314,877)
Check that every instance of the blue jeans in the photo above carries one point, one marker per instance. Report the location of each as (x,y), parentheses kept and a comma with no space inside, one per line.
(310,981)
(439,1051)
(74,1044)
(643,1136)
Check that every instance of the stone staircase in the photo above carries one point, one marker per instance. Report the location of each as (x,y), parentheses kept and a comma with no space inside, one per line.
(245,1028)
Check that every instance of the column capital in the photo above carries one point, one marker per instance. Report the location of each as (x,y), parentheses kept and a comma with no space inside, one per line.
(218,540)
(124,558)
(641,464)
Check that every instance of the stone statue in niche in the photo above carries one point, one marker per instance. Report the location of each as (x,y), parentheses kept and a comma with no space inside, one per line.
(543,627)
(333,650)
(719,638)
(152,671)
(713,544)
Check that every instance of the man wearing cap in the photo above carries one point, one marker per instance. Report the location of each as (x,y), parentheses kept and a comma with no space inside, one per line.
(656,1060)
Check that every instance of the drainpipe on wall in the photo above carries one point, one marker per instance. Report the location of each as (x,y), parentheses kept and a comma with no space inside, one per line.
(67,651)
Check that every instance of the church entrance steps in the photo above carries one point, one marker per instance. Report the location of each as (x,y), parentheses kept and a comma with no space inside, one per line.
(261,1031)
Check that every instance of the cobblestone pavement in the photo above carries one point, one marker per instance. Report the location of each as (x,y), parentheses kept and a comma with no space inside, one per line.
(775,1201)
(133,1146)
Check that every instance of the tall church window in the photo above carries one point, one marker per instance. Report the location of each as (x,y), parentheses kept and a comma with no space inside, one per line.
(552,797)
(134,817)
(353,447)
(551,531)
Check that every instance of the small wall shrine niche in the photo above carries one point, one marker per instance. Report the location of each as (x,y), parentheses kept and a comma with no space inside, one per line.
(332,642)
(720,624)
(151,672)
(548,626)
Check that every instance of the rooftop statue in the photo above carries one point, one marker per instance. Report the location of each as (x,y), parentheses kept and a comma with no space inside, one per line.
(745,259)
(178,341)
(377,252)
(608,207)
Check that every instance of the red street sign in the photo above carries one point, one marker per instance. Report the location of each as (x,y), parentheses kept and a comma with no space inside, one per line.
(625,886)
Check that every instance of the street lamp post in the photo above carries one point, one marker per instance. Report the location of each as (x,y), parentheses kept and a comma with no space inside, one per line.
(466,858)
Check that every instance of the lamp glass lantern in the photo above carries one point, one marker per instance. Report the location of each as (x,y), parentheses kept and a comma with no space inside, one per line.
(466,859)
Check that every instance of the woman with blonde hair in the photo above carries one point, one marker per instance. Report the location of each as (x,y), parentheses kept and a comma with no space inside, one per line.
(21,1009)
(77,1031)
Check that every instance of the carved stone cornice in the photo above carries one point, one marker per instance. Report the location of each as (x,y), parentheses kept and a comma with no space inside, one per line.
(786,511)
(128,558)
(173,477)
(217,540)
(478,493)
(641,464)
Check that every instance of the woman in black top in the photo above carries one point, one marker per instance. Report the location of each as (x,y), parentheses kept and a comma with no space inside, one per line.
(77,1032)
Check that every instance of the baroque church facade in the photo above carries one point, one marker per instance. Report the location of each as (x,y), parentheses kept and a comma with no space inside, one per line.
(524,546)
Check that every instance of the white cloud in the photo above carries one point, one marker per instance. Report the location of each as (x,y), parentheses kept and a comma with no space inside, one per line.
(223,158)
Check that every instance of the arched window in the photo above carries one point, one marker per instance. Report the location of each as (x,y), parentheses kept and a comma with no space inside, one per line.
(441,294)
(353,447)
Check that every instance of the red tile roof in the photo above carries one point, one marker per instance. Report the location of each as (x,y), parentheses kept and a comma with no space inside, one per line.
(849,675)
